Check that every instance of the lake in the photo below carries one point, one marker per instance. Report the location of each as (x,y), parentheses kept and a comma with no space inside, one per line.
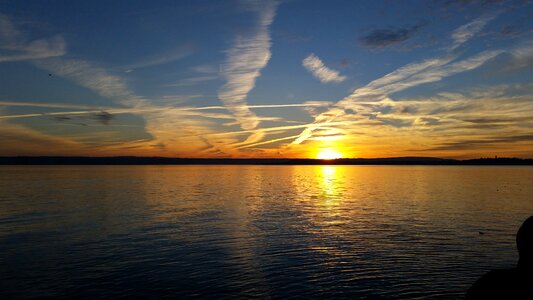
(227,232)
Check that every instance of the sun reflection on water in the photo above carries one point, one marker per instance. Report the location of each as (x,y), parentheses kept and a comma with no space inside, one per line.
(329,183)
(254,228)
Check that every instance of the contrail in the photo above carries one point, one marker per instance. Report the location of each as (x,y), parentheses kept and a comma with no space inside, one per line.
(127,110)
(268,142)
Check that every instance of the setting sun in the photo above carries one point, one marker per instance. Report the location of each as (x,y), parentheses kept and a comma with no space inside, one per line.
(227,148)
(328,154)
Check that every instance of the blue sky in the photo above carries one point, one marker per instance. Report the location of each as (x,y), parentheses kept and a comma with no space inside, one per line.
(266,78)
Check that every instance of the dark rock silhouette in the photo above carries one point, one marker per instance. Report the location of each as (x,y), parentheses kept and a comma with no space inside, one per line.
(516,283)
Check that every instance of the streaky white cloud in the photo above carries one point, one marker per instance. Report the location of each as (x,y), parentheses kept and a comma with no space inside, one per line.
(469,30)
(167,126)
(152,108)
(523,51)
(244,62)
(267,142)
(51,105)
(163,58)
(193,80)
(314,65)
(433,74)
(95,78)
(411,75)
(408,70)
(141,111)
(305,104)
(15,47)
(375,90)
(277,129)
(205,69)
(523,56)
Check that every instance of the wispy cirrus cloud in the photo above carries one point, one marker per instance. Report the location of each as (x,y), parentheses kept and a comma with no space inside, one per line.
(469,30)
(411,75)
(205,69)
(167,124)
(204,73)
(401,79)
(193,80)
(163,123)
(93,77)
(244,62)
(15,47)
(93,109)
(162,58)
(484,142)
(314,65)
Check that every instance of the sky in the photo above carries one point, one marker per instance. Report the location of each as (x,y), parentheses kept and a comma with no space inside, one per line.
(252,79)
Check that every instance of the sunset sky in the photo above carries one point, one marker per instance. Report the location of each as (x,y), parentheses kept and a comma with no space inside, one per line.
(292,78)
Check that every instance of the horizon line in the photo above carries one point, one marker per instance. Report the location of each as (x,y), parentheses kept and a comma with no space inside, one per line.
(142,160)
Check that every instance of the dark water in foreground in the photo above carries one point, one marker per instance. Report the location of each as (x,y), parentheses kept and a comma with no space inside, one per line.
(367,232)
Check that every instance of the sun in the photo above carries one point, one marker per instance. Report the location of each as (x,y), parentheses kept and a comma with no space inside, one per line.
(328,154)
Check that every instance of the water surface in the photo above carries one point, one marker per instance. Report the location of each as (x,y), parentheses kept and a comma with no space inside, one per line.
(367,232)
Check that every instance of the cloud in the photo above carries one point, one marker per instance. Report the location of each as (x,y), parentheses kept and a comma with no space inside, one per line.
(511,31)
(163,58)
(188,110)
(14,47)
(205,72)
(427,121)
(48,105)
(20,140)
(314,65)
(61,118)
(395,122)
(244,62)
(95,78)
(205,69)
(193,80)
(469,30)
(166,124)
(277,129)
(381,38)
(492,120)
(315,108)
(411,75)
(522,57)
(159,146)
(467,144)
(267,142)
(106,116)
(103,117)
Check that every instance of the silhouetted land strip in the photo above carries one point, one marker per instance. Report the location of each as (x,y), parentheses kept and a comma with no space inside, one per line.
(135,160)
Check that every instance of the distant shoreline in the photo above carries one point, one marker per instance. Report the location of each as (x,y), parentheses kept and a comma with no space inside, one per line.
(137,160)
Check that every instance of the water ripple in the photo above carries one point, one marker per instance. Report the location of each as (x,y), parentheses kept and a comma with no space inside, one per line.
(291,232)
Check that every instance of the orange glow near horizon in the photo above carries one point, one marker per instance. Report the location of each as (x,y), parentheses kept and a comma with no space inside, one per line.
(328,154)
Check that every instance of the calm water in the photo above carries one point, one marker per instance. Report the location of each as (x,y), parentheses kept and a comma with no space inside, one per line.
(368,232)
